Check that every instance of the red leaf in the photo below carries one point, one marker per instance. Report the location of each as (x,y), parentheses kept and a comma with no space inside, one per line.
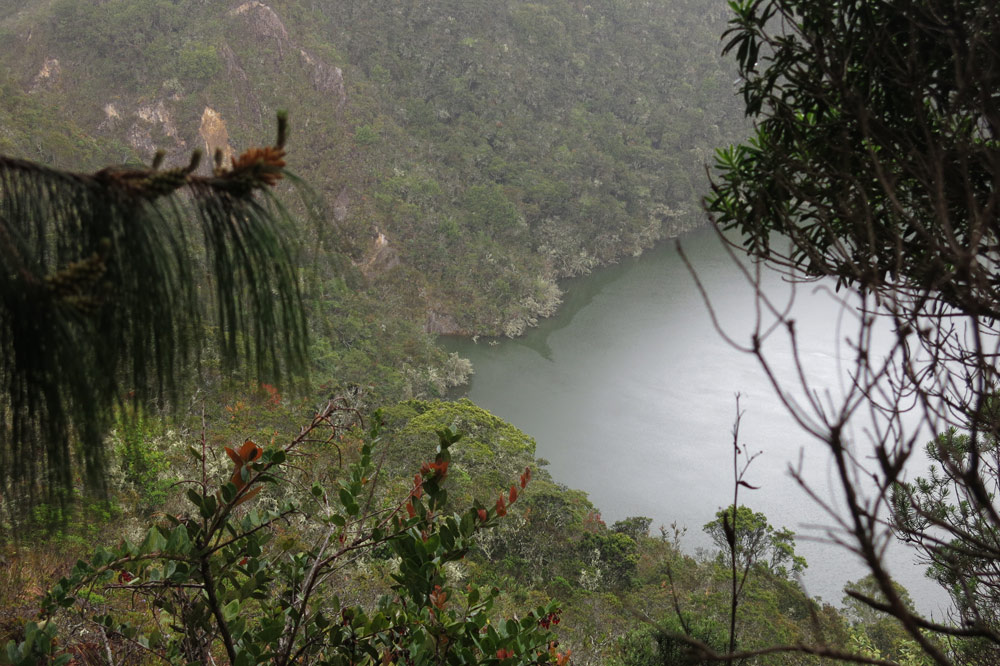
(235,457)
(249,496)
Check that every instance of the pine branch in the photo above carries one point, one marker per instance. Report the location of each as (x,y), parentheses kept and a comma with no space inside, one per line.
(103,300)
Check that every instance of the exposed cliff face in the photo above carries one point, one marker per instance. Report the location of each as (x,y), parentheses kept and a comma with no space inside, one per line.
(381,256)
(153,128)
(214,133)
(263,21)
(48,76)
(325,78)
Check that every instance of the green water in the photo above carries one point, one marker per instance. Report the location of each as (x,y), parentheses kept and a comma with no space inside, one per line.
(630,394)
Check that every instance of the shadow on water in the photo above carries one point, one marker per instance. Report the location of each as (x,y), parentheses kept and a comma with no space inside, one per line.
(579,293)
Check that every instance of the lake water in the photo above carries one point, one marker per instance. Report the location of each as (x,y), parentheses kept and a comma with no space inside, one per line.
(630,394)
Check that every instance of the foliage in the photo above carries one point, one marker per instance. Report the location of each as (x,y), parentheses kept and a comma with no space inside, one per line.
(615,557)
(635,527)
(874,162)
(651,646)
(944,502)
(224,580)
(144,466)
(100,299)
(875,633)
(494,450)
(757,542)
(583,128)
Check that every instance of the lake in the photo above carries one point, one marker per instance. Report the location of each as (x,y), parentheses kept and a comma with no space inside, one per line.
(630,393)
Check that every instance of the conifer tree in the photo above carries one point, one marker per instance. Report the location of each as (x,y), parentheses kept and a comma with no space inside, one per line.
(111,283)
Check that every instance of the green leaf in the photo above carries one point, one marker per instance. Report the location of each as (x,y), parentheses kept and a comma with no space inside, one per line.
(194,497)
(208,506)
(231,610)
(153,542)
(178,541)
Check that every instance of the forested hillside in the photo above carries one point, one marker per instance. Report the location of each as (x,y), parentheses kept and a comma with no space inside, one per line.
(466,155)
(469,153)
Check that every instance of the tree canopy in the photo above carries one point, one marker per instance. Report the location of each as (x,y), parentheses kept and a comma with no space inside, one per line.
(875,145)
(756,540)
(111,284)
(875,161)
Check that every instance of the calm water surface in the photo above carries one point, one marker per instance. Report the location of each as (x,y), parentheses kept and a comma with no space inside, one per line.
(629,392)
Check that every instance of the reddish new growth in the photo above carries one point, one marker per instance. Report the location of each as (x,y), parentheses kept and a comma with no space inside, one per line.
(549,620)
(512,495)
(435,468)
(418,486)
(438,597)
(266,161)
(273,396)
(504,654)
(243,457)
(559,658)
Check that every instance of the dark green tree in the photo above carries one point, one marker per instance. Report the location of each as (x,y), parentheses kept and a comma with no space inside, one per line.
(757,541)
(875,162)
(885,632)
(112,283)
(940,515)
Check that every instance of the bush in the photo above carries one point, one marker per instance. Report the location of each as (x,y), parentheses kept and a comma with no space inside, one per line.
(234,580)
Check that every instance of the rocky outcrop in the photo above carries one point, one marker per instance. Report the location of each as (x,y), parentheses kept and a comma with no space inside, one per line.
(341,205)
(214,133)
(153,129)
(112,116)
(381,257)
(48,76)
(265,25)
(263,21)
(326,78)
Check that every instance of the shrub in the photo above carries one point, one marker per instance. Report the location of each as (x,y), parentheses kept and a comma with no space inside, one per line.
(217,581)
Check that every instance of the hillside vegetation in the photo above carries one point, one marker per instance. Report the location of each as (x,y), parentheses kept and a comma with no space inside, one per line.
(467,154)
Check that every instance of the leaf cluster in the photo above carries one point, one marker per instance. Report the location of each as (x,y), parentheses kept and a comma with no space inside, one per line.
(113,283)
(217,581)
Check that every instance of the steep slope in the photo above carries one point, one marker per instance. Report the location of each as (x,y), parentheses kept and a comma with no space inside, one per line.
(470,153)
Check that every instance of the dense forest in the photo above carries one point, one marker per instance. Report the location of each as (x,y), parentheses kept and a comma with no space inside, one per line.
(447,164)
